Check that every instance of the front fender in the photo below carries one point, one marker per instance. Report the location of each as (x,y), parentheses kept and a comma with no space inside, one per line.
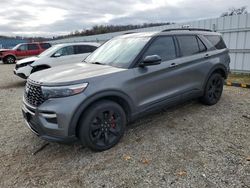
(91,99)
(8,54)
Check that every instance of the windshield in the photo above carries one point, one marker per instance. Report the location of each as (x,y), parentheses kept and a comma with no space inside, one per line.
(118,52)
(48,51)
(15,47)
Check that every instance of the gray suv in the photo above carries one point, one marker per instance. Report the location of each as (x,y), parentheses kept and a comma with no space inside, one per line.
(125,78)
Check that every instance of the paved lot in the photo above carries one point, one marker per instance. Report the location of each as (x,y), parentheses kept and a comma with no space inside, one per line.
(190,145)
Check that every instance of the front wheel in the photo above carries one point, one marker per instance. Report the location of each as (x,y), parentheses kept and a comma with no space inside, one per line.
(213,89)
(102,125)
(9,60)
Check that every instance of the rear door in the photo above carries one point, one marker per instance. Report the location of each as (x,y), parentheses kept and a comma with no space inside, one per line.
(192,64)
(82,51)
(33,50)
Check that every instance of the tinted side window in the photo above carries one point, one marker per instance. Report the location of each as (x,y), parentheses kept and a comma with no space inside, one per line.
(216,41)
(202,47)
(68,50)
(45,45)
(92,48)
(23,47)
(162,46)
(33,47)
(81,49)
(188,45)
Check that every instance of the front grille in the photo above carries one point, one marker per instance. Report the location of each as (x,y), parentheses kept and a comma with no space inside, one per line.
(33,94)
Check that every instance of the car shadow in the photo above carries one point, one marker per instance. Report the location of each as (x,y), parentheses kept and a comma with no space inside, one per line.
(144,121)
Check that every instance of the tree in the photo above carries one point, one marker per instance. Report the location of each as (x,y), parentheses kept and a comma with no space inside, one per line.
(235,11)
(77,33)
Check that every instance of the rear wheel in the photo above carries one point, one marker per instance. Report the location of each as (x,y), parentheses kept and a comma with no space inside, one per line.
(9,60)
(102,125)
(213,89)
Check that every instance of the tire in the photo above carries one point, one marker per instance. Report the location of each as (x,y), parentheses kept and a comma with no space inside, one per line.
(213,89)
(102,125)
(9,59)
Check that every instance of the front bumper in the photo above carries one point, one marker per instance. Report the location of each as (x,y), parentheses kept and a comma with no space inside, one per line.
(51,120)
(21,75)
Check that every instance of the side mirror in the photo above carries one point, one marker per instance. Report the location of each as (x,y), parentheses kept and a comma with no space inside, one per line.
(57,55)
(151,60)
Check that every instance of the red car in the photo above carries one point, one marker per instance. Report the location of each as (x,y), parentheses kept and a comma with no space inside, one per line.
(21,51)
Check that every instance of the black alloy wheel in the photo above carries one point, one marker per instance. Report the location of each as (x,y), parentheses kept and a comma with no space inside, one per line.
(103,125)
(105,128)
(10,60)
(213,89)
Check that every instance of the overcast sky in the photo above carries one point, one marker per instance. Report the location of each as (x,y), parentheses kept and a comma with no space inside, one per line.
(52,18)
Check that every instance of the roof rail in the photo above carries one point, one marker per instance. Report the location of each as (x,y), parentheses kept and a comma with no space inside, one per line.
(187,29)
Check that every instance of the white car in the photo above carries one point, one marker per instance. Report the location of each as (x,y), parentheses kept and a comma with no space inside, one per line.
(59,54)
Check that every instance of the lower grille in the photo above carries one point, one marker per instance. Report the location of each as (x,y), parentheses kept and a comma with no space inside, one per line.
(33,94)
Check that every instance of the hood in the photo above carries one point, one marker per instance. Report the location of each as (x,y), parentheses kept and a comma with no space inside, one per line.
(71,73)
(26,60)
(4,50)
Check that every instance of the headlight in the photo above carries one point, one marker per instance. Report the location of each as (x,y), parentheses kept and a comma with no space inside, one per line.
(24,64)
(63,91)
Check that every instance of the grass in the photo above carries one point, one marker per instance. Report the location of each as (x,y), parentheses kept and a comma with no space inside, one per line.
(239,78)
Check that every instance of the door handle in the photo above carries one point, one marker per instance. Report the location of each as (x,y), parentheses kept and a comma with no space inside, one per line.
(173,65)
(207,56)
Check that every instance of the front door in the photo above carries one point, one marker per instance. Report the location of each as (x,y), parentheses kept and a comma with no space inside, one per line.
(21,51)
(158,83)
(63,56)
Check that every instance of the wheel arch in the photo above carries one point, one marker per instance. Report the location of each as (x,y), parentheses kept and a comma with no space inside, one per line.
(221,69)
(7,55)
(116,96)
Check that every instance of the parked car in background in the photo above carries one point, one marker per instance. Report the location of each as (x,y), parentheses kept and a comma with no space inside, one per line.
(57,55)
(127,77)
(21,51)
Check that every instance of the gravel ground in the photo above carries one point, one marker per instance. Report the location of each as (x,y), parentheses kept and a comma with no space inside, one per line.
(190,145)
